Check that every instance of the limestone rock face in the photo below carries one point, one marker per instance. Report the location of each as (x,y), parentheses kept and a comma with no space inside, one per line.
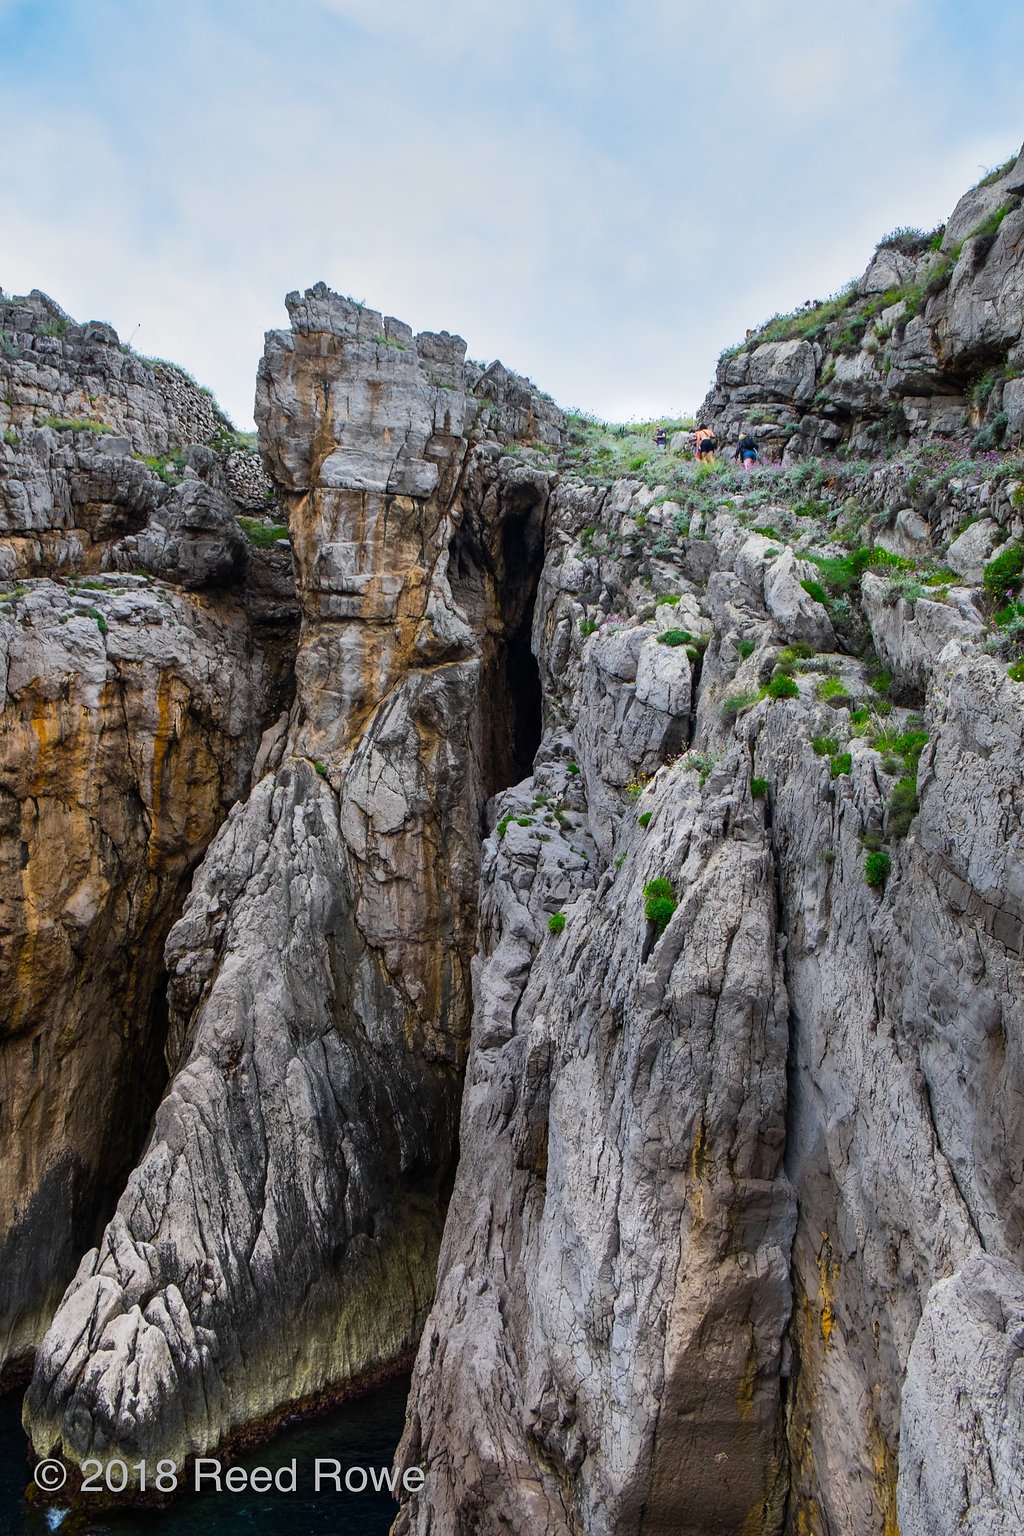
(962,1426)
(131,711)
(279,1234)
(622,1304)
(130,718)
(888,360)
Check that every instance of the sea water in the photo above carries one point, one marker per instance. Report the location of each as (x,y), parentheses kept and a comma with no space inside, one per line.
(362,1433)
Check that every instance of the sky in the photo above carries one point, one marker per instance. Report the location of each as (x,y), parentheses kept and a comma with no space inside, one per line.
(604,195)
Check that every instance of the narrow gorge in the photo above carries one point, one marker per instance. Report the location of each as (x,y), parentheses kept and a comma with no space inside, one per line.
(483,892)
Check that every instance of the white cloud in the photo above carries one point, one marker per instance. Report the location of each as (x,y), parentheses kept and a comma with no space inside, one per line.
(598,198)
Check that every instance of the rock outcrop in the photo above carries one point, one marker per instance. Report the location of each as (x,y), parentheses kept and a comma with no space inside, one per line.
(710,1176)
(929,342)
(607,980)
(279,1235)
(140,658)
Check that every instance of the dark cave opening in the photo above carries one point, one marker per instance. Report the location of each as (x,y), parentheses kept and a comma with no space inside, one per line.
(494,570)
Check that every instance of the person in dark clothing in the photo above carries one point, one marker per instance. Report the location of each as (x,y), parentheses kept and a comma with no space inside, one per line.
(705,443)
(661,438)
(746,451)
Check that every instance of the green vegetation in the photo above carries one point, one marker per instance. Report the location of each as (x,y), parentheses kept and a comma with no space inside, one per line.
(903,807)
(609,450)
(169,466)
(670,600)
(782,687)
(736,703)
(703,763)
(744,649)
(321,769)
(573,768)
(262,535)
(841,763)
(675,637)
(101,623)
(792,657)
(1003,574)
(998,173)
(11,437)
(825,746)
(556,923)
(644,819)
(830,688)
(758,788)
(73,424)
(659,902)
(876,868)
(1016,672)
(587,627)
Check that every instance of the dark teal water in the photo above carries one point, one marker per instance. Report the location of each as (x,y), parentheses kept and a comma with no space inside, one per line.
(361,1433)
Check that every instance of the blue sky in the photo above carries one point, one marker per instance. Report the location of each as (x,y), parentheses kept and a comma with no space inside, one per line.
(603,195)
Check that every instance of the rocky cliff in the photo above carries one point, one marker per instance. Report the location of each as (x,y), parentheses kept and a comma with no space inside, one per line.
(141,651)
(737,1216)
(930,341)
(279,1235)
(605,981)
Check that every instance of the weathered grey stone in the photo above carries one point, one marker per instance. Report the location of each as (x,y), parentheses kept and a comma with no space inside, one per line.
(962,1421)
(279,1234)
(969,553)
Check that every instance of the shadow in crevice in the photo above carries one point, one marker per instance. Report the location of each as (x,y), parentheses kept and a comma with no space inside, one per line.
(494,573)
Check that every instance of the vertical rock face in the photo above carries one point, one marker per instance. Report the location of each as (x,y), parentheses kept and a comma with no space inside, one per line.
(279,1235)
(130,719)
(735,1243)
(131,709)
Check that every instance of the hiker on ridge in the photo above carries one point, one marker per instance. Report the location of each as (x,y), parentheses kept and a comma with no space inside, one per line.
(746,451)
(705,442)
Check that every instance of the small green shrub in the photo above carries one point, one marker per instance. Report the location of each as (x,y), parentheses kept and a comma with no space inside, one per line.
(744,648)
(830,688)
(675,637)
(524,821)
(644,819)
(11,438)
(101,623)
(766,530)
(825,746)
(1003,574)
(703,763)
(669,601)
(74,424)
(503,825)
(876,868)
(556,922)
(262,535)
(903,807)
(782,687)
(816,590)
(1016,672)
(736,703)
(587,627)
(659,902)
(758,788)
(572,768)
(321,769)
(841,763)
